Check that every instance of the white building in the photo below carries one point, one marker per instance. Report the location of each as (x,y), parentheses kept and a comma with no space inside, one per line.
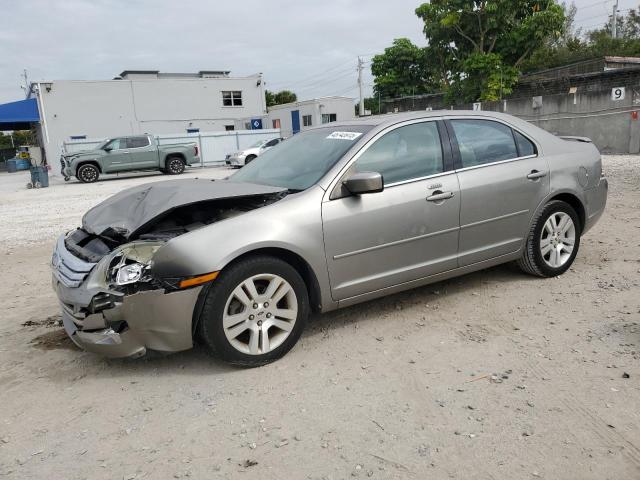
(291,118)
(145,101)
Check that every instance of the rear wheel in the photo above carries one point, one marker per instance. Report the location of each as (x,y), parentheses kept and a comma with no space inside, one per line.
(88,173)
(255,312)
(175,165)
(553,241)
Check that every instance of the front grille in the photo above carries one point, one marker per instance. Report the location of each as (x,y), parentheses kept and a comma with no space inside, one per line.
(69,269)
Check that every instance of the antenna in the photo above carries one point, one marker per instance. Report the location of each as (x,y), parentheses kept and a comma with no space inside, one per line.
(26,87)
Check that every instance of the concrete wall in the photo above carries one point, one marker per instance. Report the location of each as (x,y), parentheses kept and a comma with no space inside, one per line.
(110,108)
(613,125)
(341,106)
(214,146)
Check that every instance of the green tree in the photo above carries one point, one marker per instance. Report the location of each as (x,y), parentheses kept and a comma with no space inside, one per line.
(595,44)
(486,42)
(279,98)
(401,70)
(20,137)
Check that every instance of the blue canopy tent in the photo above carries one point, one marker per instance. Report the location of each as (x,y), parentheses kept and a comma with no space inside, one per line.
(19,115)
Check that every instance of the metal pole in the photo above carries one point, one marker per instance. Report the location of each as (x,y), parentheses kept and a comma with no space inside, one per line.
(201,152)
(360,66)
(614,21)
(379,106)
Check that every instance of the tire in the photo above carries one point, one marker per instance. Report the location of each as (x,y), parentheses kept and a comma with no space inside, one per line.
(548,250)
(88,173)
(175,165)
(249,159)
(234,331)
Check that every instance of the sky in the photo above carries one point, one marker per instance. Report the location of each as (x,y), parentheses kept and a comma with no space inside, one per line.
(308,46)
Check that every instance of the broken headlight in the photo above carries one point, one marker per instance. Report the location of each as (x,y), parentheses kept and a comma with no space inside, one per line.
(131,263)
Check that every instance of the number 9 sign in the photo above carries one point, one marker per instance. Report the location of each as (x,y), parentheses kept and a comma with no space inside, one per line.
(617,94)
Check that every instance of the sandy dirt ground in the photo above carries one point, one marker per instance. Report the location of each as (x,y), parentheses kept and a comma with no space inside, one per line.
(494,375)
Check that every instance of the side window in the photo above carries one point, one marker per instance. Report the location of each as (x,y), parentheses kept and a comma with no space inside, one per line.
(137,142)
(117,143)
(412,151)
(483,141)
(525,147)
(272,143)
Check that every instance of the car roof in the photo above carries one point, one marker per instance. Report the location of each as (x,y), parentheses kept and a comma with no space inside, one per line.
(392,118)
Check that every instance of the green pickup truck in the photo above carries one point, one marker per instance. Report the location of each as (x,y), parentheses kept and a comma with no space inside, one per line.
(125,154)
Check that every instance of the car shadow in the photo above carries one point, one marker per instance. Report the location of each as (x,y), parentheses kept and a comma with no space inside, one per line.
(455,288)
(198,362)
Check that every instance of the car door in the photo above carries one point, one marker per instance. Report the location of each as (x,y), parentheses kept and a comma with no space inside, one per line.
(116,158)
(143,153)
(407,231)
(502,180)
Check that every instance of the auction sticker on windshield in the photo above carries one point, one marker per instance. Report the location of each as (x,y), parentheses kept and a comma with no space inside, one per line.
(344,135)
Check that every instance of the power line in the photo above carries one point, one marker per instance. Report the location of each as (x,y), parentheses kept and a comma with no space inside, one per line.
(316,75)
(325,82)
(600,3)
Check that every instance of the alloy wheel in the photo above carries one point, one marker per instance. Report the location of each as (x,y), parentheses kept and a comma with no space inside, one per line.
(259,314)
(89,174)
(176,166)
(557,239)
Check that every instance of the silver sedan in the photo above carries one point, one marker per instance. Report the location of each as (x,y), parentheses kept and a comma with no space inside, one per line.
(335,216)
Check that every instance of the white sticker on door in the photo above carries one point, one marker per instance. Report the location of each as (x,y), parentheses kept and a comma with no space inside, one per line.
(344,135)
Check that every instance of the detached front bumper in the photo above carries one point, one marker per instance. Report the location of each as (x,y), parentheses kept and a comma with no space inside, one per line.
(65,168)
(115,325)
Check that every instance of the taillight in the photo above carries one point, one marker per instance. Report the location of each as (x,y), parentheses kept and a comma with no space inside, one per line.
(195,150)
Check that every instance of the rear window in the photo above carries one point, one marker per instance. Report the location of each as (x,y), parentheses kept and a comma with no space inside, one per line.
(137,142)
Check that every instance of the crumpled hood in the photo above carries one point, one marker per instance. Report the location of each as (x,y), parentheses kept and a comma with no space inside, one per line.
(132,209)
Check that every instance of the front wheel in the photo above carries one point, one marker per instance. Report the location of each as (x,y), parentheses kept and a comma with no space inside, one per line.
(249,159)
(553,241)
(88,173)
(254,312)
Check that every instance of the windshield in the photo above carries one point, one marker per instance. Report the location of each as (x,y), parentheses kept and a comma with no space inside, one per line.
(103,144)
(303,159)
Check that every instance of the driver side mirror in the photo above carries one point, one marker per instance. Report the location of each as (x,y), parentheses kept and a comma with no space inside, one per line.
(364,182)
(107,149)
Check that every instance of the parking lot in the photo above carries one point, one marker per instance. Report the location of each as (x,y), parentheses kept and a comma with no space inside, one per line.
(492,375)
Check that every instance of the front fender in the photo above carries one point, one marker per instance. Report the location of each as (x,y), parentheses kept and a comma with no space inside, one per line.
(293,224)
(76,162)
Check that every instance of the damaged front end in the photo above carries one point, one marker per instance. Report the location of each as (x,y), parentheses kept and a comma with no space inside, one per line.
(112,303)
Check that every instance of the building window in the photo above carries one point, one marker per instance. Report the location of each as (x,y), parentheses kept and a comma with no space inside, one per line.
(232,99)
(276,123)
(329,117)
(193,130)
(306,120)
(228,128)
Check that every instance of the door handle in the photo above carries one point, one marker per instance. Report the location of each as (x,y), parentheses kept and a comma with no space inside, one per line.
(535,174)
(125,151)
(438,196)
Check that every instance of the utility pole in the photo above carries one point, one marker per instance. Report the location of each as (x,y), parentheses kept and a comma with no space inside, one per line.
(360,67)
(26,87)
(614,21)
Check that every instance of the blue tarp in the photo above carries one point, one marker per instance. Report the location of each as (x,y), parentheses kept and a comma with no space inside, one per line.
(19,115)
